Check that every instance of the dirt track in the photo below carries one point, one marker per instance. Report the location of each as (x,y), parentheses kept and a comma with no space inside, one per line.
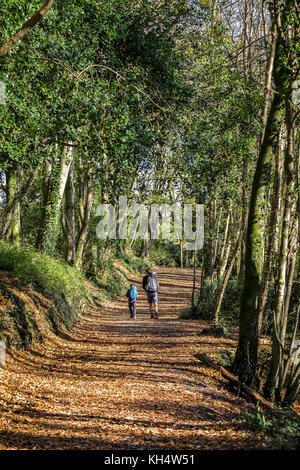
(119,383)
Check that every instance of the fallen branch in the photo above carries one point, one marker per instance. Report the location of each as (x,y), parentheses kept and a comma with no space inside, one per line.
(209,362)
(249,392)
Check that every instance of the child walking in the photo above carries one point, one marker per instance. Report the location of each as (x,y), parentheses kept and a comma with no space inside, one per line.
(132,295)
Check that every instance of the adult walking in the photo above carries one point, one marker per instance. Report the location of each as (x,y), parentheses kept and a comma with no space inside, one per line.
(150,285)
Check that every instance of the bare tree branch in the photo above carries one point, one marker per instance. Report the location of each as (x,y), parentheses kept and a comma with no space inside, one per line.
(26,28)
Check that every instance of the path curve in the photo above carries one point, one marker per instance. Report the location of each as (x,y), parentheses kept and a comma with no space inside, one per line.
(118,383)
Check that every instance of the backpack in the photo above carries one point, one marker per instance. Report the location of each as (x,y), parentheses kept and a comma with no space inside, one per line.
(151,284)
(133,293)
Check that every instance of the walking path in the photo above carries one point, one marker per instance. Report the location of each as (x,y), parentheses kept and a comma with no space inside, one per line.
(119,383)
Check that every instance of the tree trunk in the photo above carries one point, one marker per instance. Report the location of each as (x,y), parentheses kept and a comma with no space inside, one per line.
(293,385)
(10,207)
(181,254)
(51,217)
(241,272)
(246,355)
(268,82)
(227,276)
(68,218)
(224,255)
(194,280)
(216,239)
(83,232)
(279,320)
(47,169)
(14,230)
(213,216)
(273,224)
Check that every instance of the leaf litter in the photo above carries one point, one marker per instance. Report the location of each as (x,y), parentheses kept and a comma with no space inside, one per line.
(118,383)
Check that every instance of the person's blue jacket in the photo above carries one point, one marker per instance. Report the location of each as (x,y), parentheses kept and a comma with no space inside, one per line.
(132,293)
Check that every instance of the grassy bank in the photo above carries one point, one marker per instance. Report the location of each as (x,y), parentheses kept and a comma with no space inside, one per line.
(113,279)
(39,293)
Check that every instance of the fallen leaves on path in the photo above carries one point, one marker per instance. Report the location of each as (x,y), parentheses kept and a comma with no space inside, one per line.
(119,383)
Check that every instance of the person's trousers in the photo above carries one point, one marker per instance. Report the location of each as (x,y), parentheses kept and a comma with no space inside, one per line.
(132,308)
